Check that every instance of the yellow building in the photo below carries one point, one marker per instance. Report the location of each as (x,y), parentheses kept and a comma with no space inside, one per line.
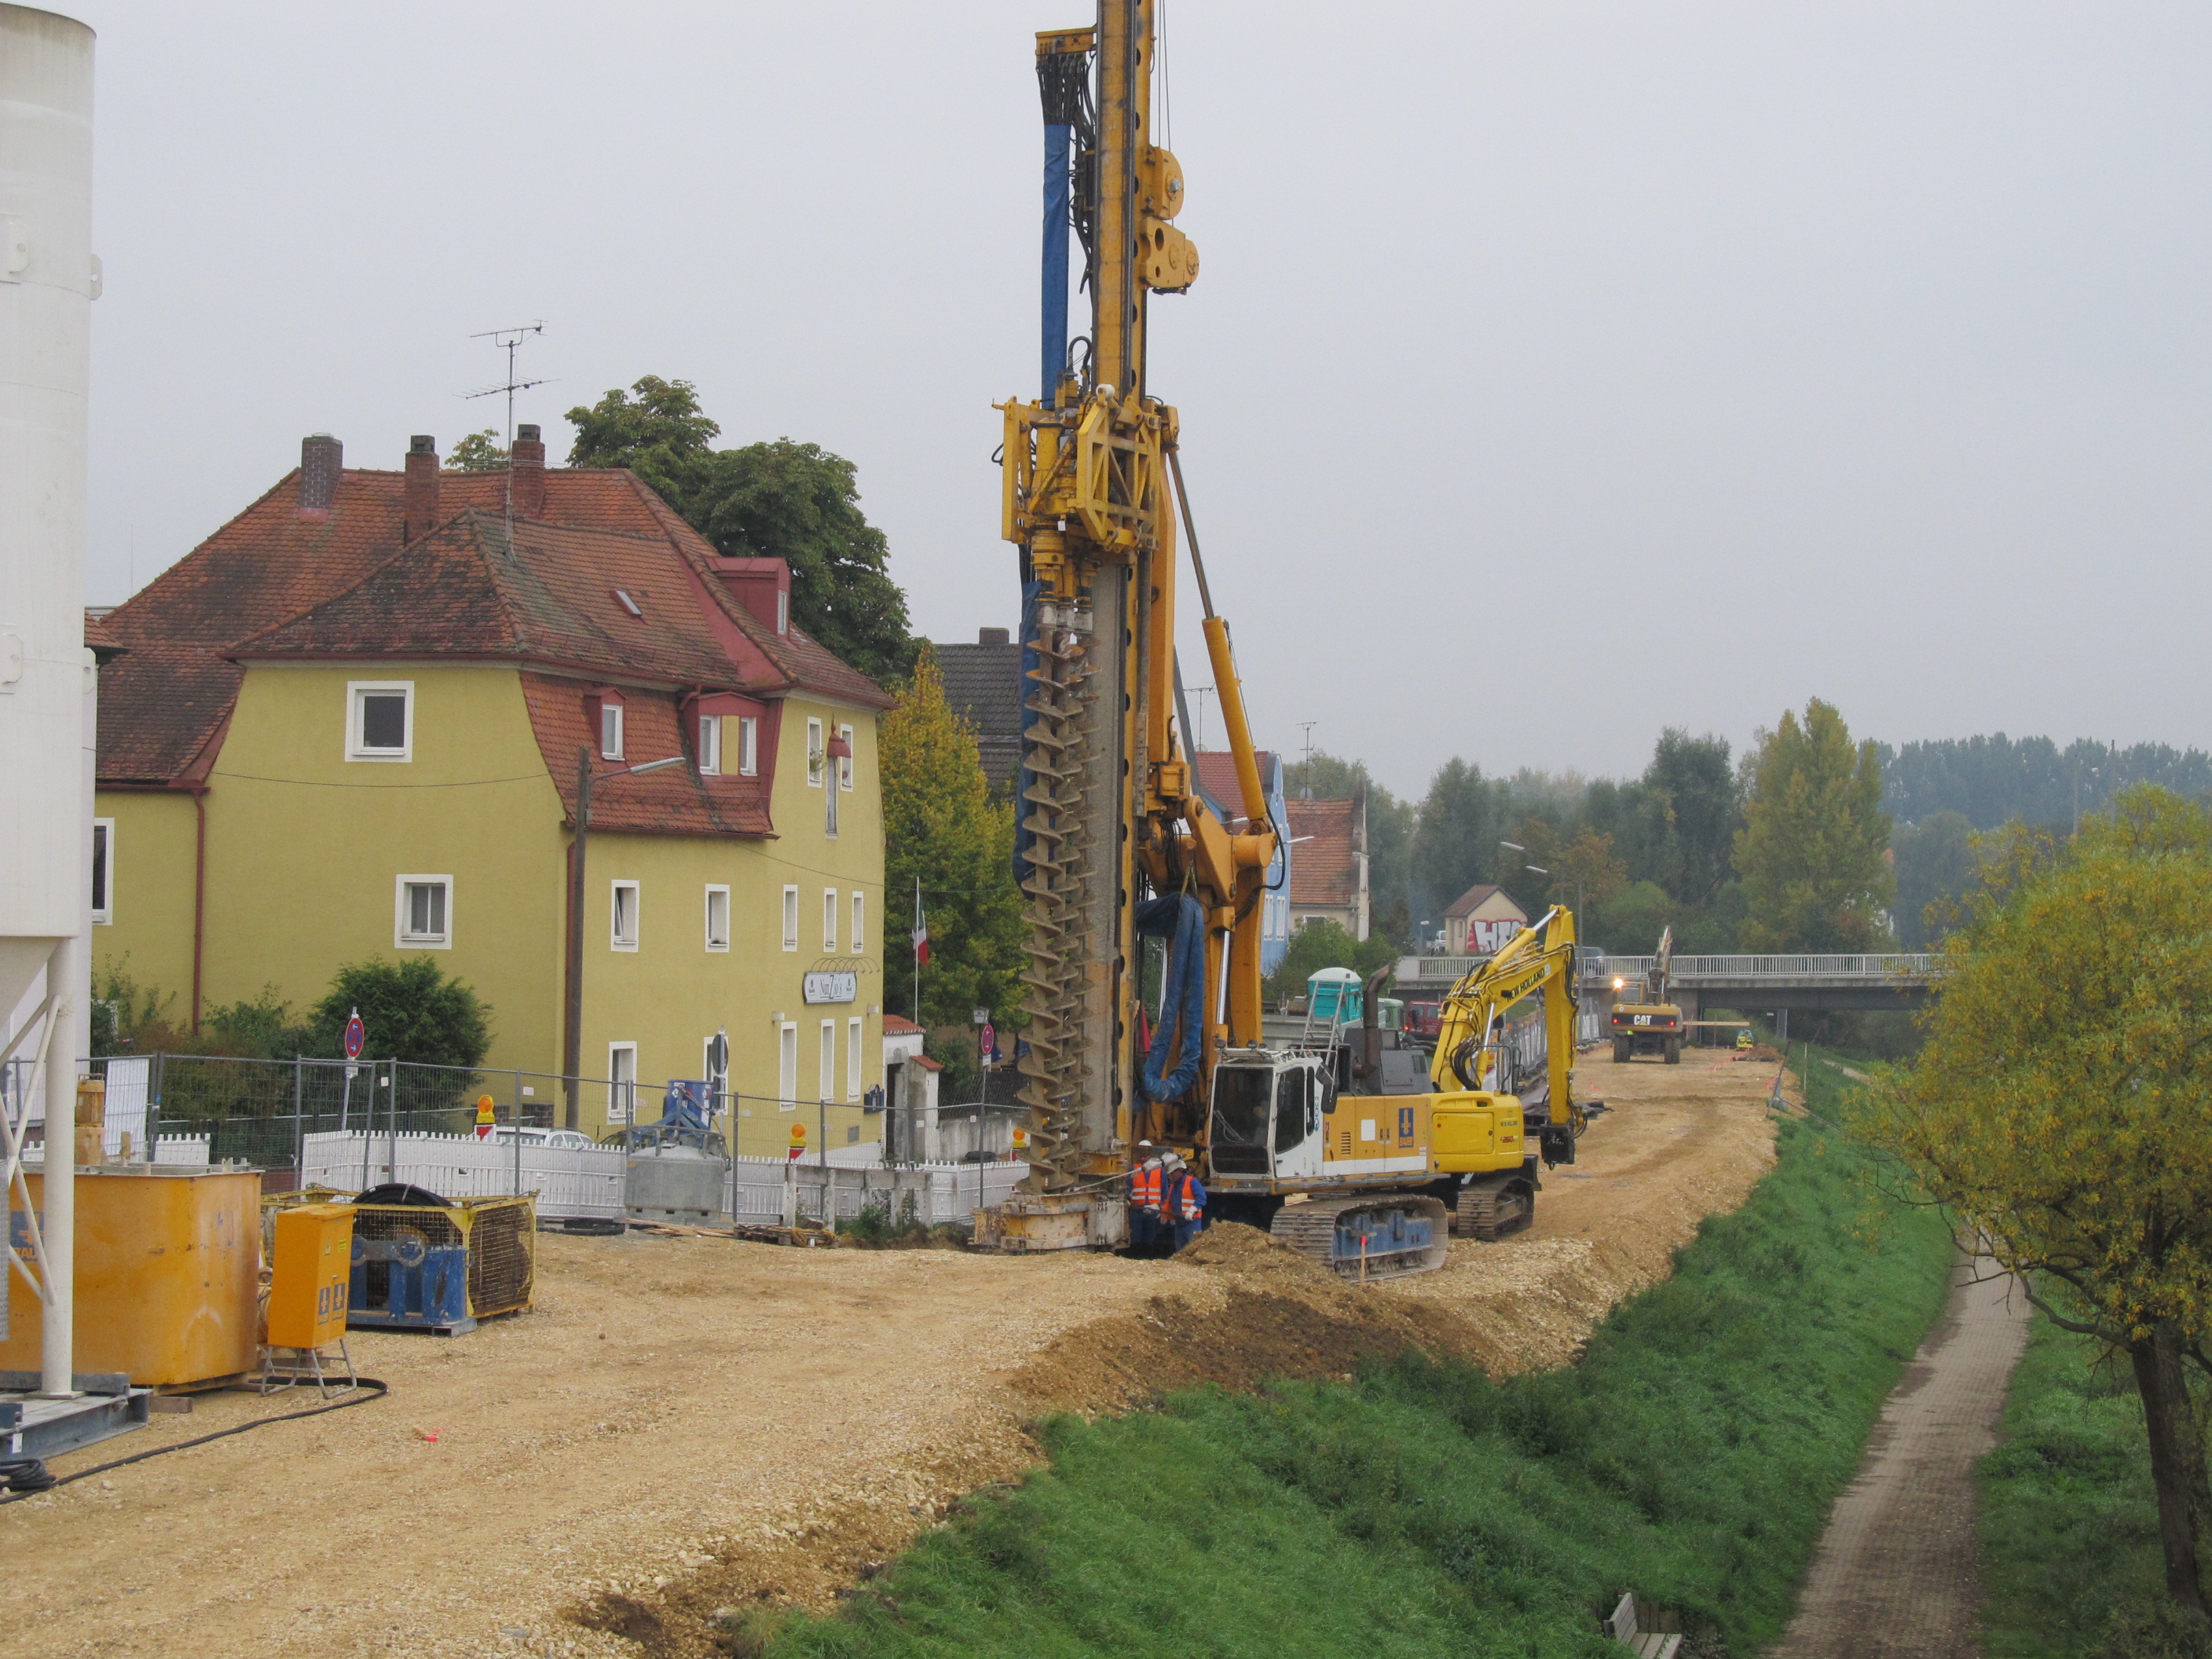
(349,725)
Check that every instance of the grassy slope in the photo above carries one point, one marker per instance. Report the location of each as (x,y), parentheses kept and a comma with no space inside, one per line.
(2069,1521)
(1693,1456)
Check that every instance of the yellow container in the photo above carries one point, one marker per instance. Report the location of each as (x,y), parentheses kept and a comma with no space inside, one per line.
(311,1270)
(168,1276)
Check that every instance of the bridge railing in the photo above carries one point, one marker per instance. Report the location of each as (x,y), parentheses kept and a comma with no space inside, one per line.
(1794,968)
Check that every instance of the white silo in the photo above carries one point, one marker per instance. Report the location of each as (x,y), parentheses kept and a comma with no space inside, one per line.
(47,282)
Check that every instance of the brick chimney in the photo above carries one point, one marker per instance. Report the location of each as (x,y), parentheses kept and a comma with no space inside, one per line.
(419,514)
(993,636)
(322,459)
(529,463)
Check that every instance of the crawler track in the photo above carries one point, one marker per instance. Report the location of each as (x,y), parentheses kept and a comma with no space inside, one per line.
(1312,1230)
(1490,1213)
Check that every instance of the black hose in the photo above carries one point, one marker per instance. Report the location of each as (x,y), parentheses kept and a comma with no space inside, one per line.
(26,1477)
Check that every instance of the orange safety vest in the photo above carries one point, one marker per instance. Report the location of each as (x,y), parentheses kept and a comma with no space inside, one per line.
(1144,1186)
(1179,1201)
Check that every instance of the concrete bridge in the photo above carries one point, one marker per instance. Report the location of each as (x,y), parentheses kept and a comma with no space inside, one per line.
(1743,984)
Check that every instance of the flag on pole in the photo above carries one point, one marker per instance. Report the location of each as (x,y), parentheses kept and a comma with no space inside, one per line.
(920,929)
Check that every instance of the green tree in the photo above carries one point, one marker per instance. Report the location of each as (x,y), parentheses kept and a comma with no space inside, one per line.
(1935,870)
(1586,872)
(479,451)
(795,501)
(943,829)
(1688,801)
(1324,945)
(412,1011)
(656,429)
(800,503)
(1456,836)
(1811,850)
(2059,1108)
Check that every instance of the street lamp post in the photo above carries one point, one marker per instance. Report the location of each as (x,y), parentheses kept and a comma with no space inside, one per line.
(572,1035)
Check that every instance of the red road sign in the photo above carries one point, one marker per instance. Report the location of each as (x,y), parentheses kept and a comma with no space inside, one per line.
(356,1037)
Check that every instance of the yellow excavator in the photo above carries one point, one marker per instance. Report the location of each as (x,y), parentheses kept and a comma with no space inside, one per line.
(1145,907)
(1653,1026)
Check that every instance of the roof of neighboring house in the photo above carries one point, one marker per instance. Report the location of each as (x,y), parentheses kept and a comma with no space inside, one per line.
(1325,865)
(163,705)
(1217,781)
(98,638)
(983,684)
(1475,896)
(900,1025)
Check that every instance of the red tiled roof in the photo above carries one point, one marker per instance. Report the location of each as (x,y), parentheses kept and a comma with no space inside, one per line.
(160,704)
(456,593)
(1217,781)
(1324,870)
(675,802)
(900,1025)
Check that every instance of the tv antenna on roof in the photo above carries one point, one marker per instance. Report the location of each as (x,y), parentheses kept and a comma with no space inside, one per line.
(508,340)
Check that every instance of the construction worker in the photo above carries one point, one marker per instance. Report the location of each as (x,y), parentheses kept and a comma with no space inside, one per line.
(1182,1201)
(1145,1227)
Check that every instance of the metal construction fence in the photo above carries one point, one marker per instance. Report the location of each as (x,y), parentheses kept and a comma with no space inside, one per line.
(771,1192)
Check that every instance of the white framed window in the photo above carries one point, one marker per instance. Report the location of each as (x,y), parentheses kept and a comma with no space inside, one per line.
(787,1067)
(859,923)
(622,1083)
(621,916)
(829,1061)
(816,759)
(379,719)
(829,920)
(718,917)
(611,730)
(791,918)
(710,744)
(852,1059)
(748,745)
(845,760)
(782,611)
(423,917)
(103,871)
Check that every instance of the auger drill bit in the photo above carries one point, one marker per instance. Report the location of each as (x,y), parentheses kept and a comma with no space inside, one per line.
(1056,752)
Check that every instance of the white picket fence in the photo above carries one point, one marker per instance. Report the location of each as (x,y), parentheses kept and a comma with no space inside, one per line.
(583,1183)
(170,1151)
(941,1193)
(573,1183)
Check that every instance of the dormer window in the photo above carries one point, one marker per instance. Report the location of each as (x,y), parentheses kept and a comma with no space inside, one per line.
(782,612)
(610,731)
(628,603)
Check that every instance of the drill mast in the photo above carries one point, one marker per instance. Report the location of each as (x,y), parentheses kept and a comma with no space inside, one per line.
(1109,803)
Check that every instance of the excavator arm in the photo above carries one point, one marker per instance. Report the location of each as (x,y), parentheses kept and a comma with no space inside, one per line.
(1538,961)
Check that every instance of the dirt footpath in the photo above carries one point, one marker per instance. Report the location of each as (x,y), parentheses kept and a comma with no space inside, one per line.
(1898,1575)
(686,1423)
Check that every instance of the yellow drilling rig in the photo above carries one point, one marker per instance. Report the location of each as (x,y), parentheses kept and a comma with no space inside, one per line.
(1122,861)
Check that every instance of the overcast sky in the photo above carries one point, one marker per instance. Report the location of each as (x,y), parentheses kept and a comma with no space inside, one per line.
(1558,372)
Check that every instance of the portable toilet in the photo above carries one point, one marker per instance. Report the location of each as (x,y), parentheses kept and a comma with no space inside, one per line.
(1334,994)
(1390,1013)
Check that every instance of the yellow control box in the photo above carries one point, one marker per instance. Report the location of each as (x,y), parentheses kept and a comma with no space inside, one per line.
(311,1269)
